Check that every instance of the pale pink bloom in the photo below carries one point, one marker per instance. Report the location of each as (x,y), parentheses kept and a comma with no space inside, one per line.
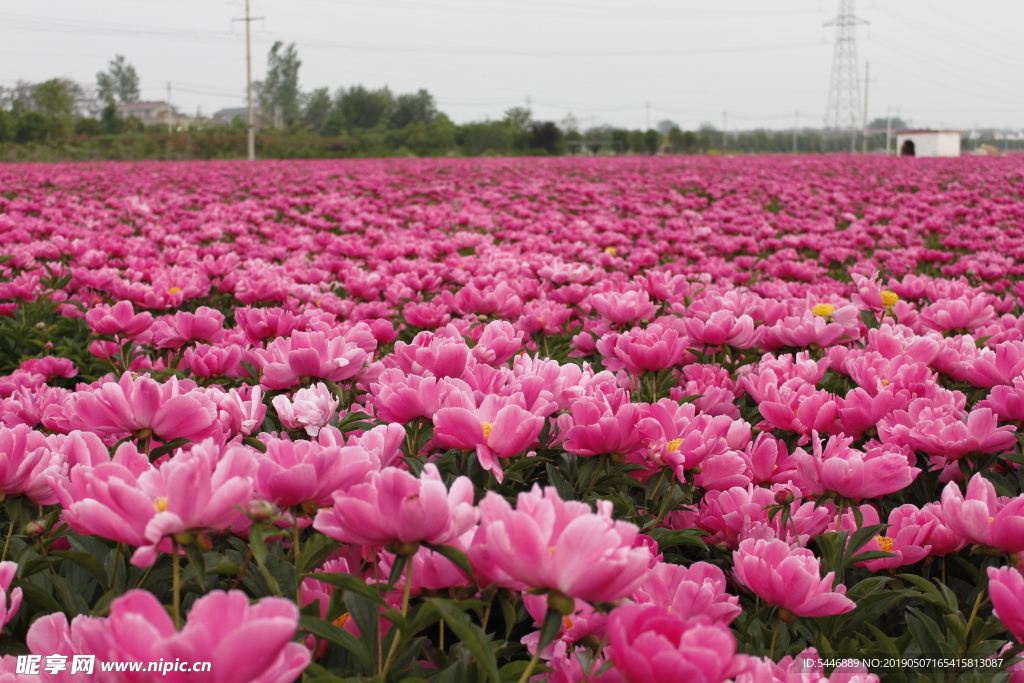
(244,643)
(695,591)
(400,397)
(801,332)
(394,506)
(305,356)
(310,408)
(649,644)
(306,473)
(559,545)
(143,408)
(1006,587)
(723,328)
(837,468)
(946,315)
(942,430)
(983,517)
(624,307)
(789,578)
(999,367)
(119,319)
(499,428)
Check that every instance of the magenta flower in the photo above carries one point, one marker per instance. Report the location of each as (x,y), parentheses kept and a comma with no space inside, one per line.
(944,431)
(244,643)
(855,474)
(25,455)
(10,600)
(905,538)
(144,408)
(304,356)
(984,518)
(723,328)
(305,473)
(401,398)
(947,315)
(441,354)
(999,367)
(548,543)
(498,343)
(644,350)
(1006,587)
(499,428)
(804,410)
(119,319)
(789,578)
(1007,401)
(206,324)
(740,513)
(695,591)
(649,644)
(396,507)
(597,429)
(192,493)
(624,307)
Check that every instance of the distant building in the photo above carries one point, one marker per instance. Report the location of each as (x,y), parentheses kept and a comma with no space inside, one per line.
(151,113)
(928,143)
(225,117)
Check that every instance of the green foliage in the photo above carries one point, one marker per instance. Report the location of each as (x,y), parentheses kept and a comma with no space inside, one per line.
(279,91)
(119,84)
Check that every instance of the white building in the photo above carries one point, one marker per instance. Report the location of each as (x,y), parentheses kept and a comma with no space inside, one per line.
(928,143)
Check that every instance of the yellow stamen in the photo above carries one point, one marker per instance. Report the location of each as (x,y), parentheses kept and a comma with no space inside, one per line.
(674,444)
(486,426)
(611,250)
(823,309)
(342,620)
(889,298)
(567,622)
(174,290)
(885,543)
(551,550)
(160,504)
(885,382)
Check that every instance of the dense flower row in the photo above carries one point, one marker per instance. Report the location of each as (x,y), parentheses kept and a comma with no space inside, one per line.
(615,421)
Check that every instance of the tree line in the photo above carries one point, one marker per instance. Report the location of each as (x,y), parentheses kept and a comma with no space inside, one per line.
(60,118)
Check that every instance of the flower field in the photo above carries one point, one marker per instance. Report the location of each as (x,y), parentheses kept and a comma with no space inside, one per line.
(634,420)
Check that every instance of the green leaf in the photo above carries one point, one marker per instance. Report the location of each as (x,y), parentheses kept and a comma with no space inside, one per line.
(366,612)
(396,570)
(456,556)
(89,563)
(167,448)
(317,549)
(255,443)
(668,538)
(555,478)
(350,583)
(870,319)
(340,637)
(475,640)
(549,630)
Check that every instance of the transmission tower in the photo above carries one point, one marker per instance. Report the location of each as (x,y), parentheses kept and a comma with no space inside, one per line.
(843,110)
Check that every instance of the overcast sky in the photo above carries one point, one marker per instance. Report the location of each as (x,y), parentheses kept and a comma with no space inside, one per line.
(932,61)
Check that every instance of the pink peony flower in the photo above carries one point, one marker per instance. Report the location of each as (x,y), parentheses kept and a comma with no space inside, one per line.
(311,409)
(396,507)
(306,473)
(854,474)
(559,545)
(1006,587)
(984,518)
(244,643)
(695,591)
(789,578)
(648,644)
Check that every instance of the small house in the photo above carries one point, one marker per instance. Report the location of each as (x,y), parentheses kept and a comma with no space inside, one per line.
(928,143)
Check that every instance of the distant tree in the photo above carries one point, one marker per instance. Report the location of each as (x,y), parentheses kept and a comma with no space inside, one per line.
(620,140)
(636,142)
(6,126)
(546,136)
(279,91)
(359,108)
(418,107)
(317,108)
(666,125)
(85,125)
(518,118)
(570,124)
(110,122)
(31,126)
(896,122)
(120,83)
(54,98)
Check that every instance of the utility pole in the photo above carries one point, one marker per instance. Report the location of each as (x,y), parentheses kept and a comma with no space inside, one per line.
(888,130)
(248,82)
(864,121)
(796,125)
(843,90)
(170,110)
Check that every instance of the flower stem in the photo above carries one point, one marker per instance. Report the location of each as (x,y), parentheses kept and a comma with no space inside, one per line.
(405,609)
(176,585)
(529,669)
(7,543)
